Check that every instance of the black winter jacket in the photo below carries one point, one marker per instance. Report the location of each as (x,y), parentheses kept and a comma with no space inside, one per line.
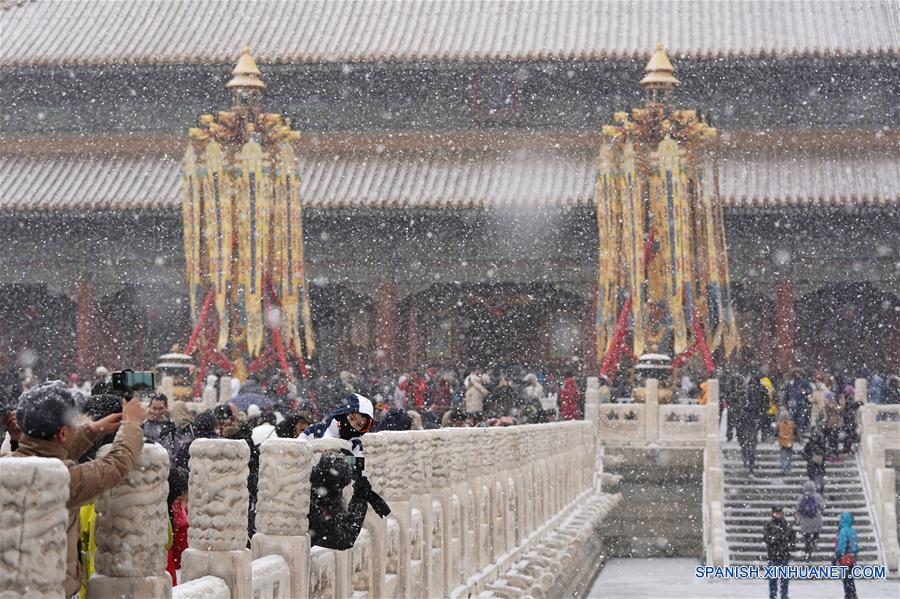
(779,536)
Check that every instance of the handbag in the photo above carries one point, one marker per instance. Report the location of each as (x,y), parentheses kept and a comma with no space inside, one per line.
(848,559)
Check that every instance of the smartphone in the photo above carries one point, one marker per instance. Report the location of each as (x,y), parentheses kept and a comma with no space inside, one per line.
(126,382)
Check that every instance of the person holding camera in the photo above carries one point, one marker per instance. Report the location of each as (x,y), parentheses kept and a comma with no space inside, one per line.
(46,415)
(332,525)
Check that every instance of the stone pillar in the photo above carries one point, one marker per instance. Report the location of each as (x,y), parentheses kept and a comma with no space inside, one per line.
(861,391)
(33,520)
(592,399)
(386,326)
(651,411)
(132,531)
(282,506)
(712,406)
(218,500)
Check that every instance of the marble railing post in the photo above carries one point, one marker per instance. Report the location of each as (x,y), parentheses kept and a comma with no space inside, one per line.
(218,499)
(33,520)
(459,520)
(132,530)
(441,449)
(388,457)
(861,391)
(376,451)
(282,527)
(509,461)
(420,497)
(712,406)
(592,399)
(651,411)
(224,389)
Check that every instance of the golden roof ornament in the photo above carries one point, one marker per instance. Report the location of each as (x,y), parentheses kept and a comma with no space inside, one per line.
(660,75)
(246,75)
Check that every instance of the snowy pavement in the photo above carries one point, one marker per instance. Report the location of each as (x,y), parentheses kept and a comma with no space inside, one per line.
(661,578)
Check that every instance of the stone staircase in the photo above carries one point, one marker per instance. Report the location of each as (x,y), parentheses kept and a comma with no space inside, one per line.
(748,503)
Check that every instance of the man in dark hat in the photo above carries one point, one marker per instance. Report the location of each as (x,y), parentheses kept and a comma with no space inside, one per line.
(779,536)
(46,416)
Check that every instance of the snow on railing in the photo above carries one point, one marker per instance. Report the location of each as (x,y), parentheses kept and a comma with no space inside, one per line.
(270,578)
(876,425)
(205,587)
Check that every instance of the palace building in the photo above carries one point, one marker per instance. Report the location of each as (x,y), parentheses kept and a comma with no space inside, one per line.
(448,162)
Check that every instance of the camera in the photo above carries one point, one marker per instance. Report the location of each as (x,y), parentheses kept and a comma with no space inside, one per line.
(126,382)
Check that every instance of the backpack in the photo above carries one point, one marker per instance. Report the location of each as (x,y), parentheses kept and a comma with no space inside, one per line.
(808,506)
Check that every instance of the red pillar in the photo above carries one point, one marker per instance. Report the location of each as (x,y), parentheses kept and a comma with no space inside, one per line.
(85,332)
(785,327)
(386,326)
(589,335)
(413,336)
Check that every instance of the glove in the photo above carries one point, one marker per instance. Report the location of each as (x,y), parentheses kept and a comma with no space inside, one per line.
(362,485)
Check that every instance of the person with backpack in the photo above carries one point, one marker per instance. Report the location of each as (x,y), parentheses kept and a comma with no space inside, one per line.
(814,454)
(785,439)
(846,547)
(810,508)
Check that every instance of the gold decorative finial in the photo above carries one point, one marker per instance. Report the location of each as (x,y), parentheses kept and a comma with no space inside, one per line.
(660,74)
(246,75)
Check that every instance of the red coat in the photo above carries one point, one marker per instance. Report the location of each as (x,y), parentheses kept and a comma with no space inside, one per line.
(420,393)
(568,401)
(179,539)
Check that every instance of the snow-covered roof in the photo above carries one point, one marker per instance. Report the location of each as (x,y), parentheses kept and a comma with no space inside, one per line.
(96,32)
(513,178)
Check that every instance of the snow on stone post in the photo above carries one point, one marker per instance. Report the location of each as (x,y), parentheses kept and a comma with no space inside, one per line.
(376,450)
(282,507)
(132,530)
(458,519)
(218,499)
(861,391)
(388,457)
(440,509)
(224,389)
(592,399)
(209,397)
(33,520)
(524,504)
(420,498)
(651,411)
(508,464)
(712,406)
(496,494)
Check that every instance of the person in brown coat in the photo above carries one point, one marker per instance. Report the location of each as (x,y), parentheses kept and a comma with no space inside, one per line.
(46,416)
